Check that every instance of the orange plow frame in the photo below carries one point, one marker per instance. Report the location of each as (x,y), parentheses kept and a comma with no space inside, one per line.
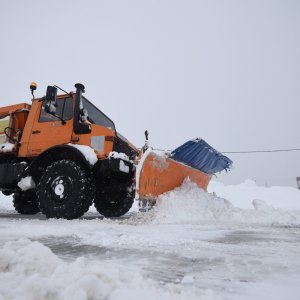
(161,174)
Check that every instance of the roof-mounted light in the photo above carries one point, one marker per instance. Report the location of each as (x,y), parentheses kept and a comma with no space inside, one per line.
(33,87)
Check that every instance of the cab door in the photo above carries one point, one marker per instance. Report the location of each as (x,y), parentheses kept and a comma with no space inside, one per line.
(48,130)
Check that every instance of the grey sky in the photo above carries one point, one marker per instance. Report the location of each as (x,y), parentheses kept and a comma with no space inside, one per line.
(227,71)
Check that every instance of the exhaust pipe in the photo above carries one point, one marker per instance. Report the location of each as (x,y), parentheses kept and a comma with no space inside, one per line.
(79,88)
(79,127)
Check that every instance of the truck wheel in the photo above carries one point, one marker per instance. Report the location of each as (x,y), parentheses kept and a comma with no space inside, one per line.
(65,190)
(113,199)
(25,202)
(7,193)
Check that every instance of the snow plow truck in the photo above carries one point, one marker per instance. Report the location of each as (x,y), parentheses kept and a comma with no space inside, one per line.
(61,154)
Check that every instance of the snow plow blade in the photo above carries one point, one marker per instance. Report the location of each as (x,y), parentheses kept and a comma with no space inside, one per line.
(162,174)
(195,160)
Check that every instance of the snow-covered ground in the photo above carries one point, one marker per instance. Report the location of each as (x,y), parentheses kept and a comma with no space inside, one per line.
(237,242)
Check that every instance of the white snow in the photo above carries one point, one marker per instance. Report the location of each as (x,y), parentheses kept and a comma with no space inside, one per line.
(192,245)
(191,205)
(118,155)
(197,140)
(7,147)
(29,270)
(123,157)
(123,167)
(26,183)
(243,194)
(88,153)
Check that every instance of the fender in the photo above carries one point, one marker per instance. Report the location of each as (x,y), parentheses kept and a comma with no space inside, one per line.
(41,162)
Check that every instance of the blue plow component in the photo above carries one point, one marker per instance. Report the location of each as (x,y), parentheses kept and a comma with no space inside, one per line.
(200,155)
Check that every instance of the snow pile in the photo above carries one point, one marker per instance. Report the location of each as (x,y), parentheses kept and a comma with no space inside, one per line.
(87,152)
(241,195)
(191,205)
(246,203)
(31,271)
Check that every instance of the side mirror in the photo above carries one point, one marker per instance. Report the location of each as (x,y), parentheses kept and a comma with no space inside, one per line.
(51,103)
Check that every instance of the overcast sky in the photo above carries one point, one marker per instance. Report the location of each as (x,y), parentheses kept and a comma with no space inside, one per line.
(226,71)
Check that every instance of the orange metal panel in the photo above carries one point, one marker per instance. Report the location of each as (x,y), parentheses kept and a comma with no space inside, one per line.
(34,110)
(97,131)
(7,110)
(162,174)
(17,115)
(44,135)
(39,136)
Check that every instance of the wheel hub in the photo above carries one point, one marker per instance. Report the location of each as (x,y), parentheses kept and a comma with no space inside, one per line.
(60,188)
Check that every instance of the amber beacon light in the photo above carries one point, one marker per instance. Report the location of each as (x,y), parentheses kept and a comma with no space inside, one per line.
(33,87)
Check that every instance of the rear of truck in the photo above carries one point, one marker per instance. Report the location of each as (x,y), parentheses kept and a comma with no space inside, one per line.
(12,122)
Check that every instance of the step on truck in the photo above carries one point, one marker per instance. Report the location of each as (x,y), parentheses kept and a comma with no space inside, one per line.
(61,154)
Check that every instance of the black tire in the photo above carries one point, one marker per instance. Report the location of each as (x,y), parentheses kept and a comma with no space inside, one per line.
(7,193)
(25,202)
(114,198)
(66,190)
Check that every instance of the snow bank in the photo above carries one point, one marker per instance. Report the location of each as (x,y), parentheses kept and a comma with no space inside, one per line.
(29,270)
(242,195)
(244,203)
(191,205)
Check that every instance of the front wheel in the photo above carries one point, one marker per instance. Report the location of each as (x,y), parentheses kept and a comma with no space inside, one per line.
(65,190)
(114,198)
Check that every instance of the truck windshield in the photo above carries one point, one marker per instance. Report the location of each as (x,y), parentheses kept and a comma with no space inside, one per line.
(95,116)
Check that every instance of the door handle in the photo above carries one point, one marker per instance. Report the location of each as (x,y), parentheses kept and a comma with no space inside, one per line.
(35,131)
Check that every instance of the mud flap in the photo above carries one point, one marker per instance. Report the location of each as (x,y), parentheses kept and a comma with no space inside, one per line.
(10,173)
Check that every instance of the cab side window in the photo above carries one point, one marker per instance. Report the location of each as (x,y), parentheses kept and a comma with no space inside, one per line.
(95,116)
(64,110)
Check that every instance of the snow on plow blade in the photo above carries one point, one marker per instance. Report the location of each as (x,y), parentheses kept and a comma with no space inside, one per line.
(195,159)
